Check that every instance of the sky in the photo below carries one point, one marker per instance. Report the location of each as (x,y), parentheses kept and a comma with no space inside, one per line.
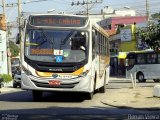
(42,6)
(65,5)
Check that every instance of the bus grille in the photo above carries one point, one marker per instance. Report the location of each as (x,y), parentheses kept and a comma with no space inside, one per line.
(63,85)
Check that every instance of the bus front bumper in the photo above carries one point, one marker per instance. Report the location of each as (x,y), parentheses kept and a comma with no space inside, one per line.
(79,84)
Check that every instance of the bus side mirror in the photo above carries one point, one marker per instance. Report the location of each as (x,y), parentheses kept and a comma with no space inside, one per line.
(18,39)
(126,63)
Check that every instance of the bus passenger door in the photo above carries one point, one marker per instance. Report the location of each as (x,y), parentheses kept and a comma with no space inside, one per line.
(95,57)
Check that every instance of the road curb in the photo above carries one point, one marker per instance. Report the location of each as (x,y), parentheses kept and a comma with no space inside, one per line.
(130,107)
(6,89)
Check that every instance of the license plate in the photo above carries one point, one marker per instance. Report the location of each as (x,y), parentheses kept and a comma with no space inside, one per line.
(54,82)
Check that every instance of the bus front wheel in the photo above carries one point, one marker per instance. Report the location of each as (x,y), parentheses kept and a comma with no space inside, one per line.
(37,95)
(89,96)
(140,77)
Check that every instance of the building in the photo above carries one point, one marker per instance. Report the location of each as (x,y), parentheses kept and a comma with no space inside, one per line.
(3,47)
(108,12)
(112,23)
(122,31)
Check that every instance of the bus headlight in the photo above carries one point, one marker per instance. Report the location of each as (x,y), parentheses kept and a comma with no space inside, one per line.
(26,71)
(83,74)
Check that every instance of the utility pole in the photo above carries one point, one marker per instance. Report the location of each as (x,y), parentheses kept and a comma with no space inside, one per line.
(87,3)
(19,17)
(7,41)
(87,8)
(19,26)
(147,11)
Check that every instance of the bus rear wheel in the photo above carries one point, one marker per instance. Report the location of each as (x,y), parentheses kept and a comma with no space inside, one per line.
(37,95)
(140,77)
(156,80)
(103,88)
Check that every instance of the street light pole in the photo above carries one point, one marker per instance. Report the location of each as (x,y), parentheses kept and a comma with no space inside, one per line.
(147,10)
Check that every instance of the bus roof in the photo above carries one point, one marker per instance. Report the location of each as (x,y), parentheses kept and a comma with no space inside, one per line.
(46,14)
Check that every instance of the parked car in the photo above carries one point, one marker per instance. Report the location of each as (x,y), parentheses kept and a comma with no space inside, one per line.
(1,82)
(17,80)
(15,70)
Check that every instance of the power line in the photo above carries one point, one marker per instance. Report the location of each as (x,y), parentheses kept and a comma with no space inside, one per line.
(137,5)
(87,3)
(26,2)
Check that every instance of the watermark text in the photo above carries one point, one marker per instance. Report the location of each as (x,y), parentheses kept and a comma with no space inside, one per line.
(143,117)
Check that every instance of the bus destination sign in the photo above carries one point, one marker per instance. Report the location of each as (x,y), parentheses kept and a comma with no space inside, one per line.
(58,21)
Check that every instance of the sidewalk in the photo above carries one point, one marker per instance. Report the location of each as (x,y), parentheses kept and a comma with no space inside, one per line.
(139,97)
(7,89)
(119,78)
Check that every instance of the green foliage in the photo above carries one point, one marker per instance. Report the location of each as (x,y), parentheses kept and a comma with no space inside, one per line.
(156,15)
(151,35)
(14,49)
(6,77)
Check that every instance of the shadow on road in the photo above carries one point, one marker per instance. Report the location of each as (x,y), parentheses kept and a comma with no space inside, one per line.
(26,96)
(72,113)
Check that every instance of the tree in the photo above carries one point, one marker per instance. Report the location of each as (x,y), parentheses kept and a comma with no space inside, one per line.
(151,35)
(156,15)
(14,49)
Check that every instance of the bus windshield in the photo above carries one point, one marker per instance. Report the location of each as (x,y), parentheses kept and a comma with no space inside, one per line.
(56,45)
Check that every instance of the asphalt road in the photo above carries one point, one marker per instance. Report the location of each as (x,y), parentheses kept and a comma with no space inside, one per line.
(18,105)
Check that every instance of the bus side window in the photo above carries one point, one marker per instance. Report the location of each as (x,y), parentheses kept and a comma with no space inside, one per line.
(131,62)
(93,43)
(151,58)
(158,58)
(140,58)
(154,57)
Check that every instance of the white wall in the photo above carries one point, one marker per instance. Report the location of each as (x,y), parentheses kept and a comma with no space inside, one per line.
(125,12)
(3,53)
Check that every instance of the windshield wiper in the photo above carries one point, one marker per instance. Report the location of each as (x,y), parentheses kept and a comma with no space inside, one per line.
(44,37)
(67,37)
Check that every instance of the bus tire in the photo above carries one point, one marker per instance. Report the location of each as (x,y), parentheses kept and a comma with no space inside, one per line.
(89,96)
(156,80)
(103,88)
(37,95)
(140,77)
(14,85)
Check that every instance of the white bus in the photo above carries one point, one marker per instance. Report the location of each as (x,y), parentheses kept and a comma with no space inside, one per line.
(64,53)
(146,65)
